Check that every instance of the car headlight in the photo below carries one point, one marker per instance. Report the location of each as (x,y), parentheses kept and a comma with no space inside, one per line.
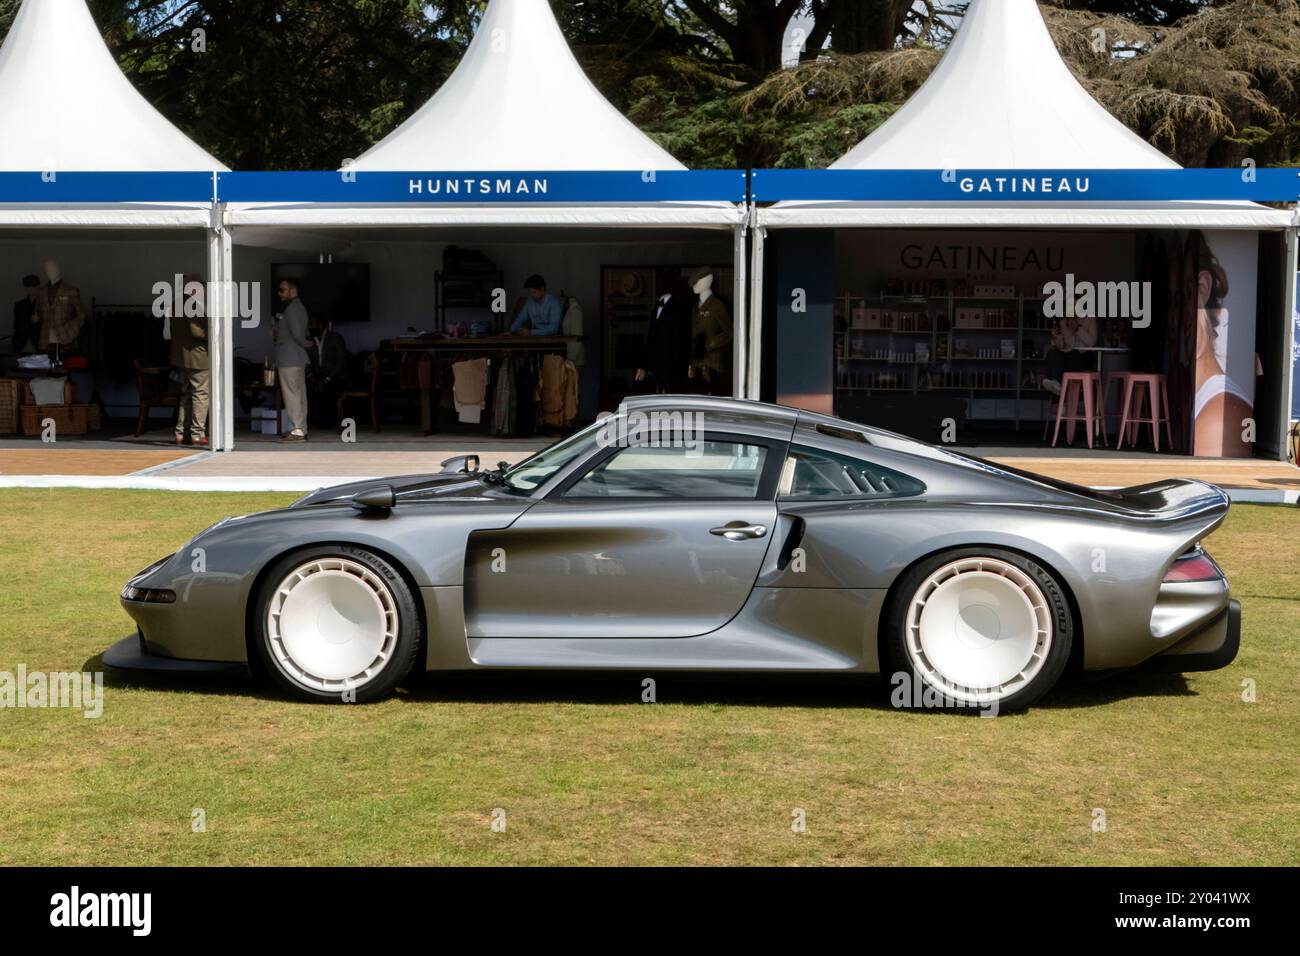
(148,595)
(133,592)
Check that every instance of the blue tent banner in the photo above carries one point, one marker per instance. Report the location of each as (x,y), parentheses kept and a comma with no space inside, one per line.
(117,187)
(1026,185)
(509,187)
(614,187)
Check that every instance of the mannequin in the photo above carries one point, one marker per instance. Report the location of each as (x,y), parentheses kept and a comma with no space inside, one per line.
(711,334)
(668,341)
(59,313)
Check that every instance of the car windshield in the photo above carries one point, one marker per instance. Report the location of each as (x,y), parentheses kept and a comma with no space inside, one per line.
(535,471)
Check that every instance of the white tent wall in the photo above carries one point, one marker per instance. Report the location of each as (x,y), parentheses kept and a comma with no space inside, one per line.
(402,277)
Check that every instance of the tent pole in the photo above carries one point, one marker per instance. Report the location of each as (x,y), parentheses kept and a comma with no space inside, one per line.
(216,357)
(756,311)
(740,316)
(219,335)
(227,386)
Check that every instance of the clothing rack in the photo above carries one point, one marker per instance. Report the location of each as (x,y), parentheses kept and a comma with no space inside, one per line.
(99,311)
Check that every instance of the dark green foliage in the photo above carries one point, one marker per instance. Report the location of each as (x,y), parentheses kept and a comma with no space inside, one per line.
(304,84)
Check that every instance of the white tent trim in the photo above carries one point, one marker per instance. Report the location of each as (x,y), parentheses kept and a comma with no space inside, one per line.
(1152,215)
(721,215)
(116,216)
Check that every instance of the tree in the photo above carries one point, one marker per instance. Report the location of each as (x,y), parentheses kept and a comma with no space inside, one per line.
(282,84)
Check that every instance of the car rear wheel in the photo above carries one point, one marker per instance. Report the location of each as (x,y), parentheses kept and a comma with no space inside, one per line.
(337,624)
(980,629)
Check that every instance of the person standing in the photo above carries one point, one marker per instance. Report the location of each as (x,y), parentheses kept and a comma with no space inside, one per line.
(292,346)
(328,374)
(24,317)
(189,357)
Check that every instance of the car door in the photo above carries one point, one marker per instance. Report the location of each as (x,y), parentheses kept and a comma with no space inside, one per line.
(645,542)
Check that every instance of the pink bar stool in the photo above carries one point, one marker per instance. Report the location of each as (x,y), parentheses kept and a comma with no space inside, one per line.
(1108,380)
(1146,402)
(1074,387)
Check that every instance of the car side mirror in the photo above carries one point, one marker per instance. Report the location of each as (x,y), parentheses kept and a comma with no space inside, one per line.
(379,498)
(461,464)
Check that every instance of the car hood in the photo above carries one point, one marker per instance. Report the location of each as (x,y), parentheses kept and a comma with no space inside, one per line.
(422,487)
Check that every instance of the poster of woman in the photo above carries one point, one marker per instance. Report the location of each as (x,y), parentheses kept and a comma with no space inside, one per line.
(1224,352)
(1295,367)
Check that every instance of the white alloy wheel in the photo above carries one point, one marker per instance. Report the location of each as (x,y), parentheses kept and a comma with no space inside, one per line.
(978,630)
(332,624)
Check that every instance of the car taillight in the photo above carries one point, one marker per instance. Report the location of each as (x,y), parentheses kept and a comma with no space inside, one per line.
(1196,566)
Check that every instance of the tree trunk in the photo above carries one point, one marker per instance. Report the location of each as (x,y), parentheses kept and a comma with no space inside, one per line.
(864,26)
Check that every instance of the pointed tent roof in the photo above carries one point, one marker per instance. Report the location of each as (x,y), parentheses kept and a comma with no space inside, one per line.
(66,106)
(1002,98)
(517,100)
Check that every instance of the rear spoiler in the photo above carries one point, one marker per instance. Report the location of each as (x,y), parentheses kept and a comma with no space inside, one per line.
(1173,500)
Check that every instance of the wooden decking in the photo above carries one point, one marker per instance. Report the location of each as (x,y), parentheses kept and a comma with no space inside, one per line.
(1121,472)
(76,461)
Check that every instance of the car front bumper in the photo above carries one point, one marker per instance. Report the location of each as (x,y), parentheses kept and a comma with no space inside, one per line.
(133,653)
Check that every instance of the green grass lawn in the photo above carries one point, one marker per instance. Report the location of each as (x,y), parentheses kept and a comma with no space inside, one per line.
(1186,772)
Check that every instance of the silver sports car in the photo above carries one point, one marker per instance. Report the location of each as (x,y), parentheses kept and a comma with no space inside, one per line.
(702,534)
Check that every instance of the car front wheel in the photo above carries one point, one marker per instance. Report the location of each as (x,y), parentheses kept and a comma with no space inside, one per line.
(337,624)
(982,629)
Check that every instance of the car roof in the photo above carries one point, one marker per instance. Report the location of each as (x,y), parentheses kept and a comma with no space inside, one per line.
(762,411)
(772,416)
(721,414)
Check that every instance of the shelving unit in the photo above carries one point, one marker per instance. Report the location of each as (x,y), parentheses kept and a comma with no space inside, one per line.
(874,337)
(463,290)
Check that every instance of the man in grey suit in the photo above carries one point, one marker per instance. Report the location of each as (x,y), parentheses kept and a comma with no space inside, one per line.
(291,358)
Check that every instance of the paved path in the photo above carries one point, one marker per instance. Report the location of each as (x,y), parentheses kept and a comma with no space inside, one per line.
(305,467)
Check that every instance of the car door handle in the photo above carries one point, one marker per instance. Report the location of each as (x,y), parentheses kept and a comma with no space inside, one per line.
(739,531)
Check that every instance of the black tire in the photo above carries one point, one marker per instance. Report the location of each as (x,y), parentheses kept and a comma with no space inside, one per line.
(405,650)
(904,676)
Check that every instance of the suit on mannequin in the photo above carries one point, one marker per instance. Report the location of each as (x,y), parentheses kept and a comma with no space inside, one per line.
(59,313)
(711,337)
(668,342)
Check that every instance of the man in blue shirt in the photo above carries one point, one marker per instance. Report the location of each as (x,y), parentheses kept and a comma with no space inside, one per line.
(541,311)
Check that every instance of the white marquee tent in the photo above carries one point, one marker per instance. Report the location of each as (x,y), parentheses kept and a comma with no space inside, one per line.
(517,101)
(1002,99)
(66,107)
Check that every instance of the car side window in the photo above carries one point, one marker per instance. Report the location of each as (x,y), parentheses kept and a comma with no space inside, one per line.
(708,469)
(810,473)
